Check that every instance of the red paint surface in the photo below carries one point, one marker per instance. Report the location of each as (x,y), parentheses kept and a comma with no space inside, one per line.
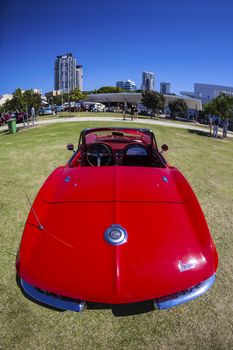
(164,222)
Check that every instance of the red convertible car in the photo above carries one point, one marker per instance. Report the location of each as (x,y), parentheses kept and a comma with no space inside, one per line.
(115,225)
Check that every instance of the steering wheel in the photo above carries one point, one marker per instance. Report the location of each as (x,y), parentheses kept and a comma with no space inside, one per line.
(98,154)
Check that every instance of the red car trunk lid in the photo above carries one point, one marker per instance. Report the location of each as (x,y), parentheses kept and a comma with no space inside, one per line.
(70,256)
(123,184)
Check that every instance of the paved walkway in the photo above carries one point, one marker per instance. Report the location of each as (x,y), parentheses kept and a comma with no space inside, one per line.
(187,126)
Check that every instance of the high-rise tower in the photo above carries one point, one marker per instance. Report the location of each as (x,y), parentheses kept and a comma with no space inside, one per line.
(67,75)
(148,81)
(165,88)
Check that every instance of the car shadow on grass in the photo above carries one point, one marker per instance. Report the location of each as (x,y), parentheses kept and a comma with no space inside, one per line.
(34,300)
(200,133)
(5,132)
(122,310)
(119,310)
(18,129)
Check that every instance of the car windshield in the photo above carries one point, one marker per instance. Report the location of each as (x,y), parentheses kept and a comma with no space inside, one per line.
(118,136)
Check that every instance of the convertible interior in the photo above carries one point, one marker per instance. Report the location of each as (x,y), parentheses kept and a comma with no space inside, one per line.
(124,147)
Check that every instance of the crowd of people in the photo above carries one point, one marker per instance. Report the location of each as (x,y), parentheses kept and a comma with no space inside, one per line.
(133,110)
(214,123)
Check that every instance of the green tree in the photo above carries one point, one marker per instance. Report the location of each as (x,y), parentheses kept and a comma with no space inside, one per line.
(76,95)
(31,99)
(221,105)
(23,101)
(7,106)
(108,89)
(178,108)
(16,103)
(59,99)
(56,100)
(65,97)
(153,100)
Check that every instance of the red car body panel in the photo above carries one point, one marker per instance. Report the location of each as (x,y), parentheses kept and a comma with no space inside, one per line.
(164,222)
(145,268)
(100,184)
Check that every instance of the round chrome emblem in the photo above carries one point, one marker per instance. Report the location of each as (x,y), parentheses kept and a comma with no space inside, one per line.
(115,235)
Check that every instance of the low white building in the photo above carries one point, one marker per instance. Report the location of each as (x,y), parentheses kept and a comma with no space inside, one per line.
(206,92)
(126,85)
(136,97)
(4,98)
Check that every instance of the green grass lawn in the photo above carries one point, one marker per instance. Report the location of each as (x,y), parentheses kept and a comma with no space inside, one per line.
(114,115)
(78,114)
(26,159)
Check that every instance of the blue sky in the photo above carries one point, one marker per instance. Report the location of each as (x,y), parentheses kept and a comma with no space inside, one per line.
(182,42)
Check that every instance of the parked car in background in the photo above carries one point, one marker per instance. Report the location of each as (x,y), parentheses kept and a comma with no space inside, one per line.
(8,115)
(19,116)
(2,120)
(65,106)
(142,109)
(93,107)
(98,107)
(78,105)
(112,109)
(71,107)
(59,108)
(45,111)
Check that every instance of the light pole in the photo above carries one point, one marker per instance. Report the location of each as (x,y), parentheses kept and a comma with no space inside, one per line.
(62,97)
(196,113)
(27,111)
(124,109)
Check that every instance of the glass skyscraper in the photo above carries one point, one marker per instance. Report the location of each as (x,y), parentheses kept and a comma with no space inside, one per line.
(126,85)
(67,75)
(165,88)
(148,81)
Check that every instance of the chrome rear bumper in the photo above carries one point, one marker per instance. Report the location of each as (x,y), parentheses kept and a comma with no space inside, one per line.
(63,303)
(184,296)
(51,299)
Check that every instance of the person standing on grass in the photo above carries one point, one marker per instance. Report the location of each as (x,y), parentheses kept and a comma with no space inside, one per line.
(216,126)
(132,111)
(136,110)
(210,123)
(124,110)
(33,115)
(225,128)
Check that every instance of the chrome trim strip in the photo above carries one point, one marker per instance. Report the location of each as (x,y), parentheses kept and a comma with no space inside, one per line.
(184,296)
(51,300)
